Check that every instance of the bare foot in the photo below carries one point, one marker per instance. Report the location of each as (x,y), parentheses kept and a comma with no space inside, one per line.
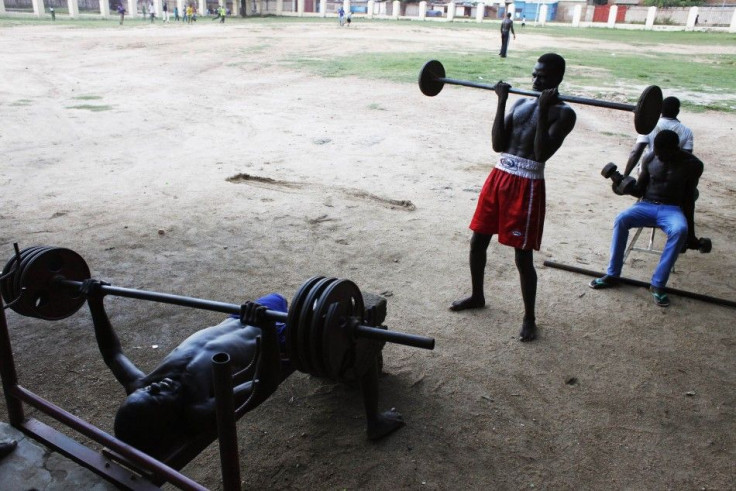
(468,303)
(528,331)
(385,424)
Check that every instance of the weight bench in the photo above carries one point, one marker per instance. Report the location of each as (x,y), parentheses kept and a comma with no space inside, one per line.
(649,249)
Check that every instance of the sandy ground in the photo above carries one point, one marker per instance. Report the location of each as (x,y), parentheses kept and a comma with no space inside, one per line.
(616,393)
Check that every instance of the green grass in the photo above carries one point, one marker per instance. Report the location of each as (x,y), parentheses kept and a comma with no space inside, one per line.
(91,107)
(87,97)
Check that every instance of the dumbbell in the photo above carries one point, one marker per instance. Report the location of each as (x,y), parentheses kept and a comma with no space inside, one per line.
(703,245)
(621,184)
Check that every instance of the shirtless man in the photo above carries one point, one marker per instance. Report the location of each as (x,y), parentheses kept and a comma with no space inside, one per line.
(177,399)
(667,186)
(512,201)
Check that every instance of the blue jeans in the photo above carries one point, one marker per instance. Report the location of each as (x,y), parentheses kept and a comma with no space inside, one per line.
(669,218)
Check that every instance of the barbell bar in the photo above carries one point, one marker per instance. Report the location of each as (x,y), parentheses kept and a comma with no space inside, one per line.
(45,282)
(432,79)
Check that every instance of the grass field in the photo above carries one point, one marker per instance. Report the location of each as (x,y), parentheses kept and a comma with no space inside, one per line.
(697,63)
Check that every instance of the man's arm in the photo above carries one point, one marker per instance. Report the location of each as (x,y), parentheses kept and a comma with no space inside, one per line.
(688,204)
(502,125)
(122,368)
(512,29)
(634,157)
(549,137)
(643,180)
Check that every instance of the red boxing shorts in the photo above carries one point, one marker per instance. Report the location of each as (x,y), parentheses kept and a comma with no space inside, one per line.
(512,203)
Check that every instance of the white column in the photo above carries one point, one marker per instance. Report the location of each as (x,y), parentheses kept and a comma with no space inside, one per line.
(480,10)
(451,11)
(511,10)
(371,7)
(576,13)
(323,8)
(612,13)
(2,6)
(132,10)
(396,9)
(279,7)
(543,15)
(732,28)
(651,15)
(300,8)
(690,24)
(104,9)
(346,6)
(235,11)
(158,6)
(73,8)
(37,7)
(422,10)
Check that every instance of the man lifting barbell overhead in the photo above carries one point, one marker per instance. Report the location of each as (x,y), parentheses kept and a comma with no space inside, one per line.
(512,201)
(666,185)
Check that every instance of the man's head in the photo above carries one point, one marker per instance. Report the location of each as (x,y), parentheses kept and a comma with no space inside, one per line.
(508,15)
(666,145)
(548,72)
(150,415)
(670,107)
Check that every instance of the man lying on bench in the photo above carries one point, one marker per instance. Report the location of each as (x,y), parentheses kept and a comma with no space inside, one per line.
(177,398)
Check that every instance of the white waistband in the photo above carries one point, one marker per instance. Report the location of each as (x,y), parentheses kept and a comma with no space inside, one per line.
(521,167)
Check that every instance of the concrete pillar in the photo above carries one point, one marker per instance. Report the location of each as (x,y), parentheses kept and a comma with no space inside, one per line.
(651,15)
(2,6)
(158,6)
(131,9)
(576,13)
(201,8)
(279,7)
(543,15)
(732,27)
(235,11)
(104,9)
(37,7)
(73,8)
(323,8)
(422,10)
(451,11)
(371,7)
(396,9)
(300,8)
(690,24)
(480,11)
(346,6)
(612,13)
(512,10)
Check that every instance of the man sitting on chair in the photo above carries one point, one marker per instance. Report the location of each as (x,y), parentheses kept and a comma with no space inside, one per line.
(177,399)
(666,185)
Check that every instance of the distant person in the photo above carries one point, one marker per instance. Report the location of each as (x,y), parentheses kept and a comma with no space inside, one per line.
(341,15)
(176,13)
(523,20)
(507,26)
(350,16)
(165,10)
(121,11)
(152,11)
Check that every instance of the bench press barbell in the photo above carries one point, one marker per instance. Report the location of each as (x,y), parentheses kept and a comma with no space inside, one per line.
(646,112)
(326,335)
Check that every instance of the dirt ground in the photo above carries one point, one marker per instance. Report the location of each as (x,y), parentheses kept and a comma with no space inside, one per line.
(120,144)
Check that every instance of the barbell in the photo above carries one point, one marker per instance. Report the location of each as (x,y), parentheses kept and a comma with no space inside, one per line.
(326,333)
(646,111)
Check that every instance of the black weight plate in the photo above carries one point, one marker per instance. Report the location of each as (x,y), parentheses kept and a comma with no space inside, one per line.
(292,322)
(305,328)
(26,258)
(6,287)
(428,75)
(648,110)
(346,293)
(336,338)
(47,300)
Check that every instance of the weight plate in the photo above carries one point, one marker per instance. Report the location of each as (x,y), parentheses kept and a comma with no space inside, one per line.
(46,299)
(6,286)
(347,294)
(25,259)
(338,350)
(648,110)
(292,322)
(428,75)
(305,330)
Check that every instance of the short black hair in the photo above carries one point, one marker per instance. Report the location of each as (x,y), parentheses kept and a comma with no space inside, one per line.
(670,107)
(666,140)
(555,61)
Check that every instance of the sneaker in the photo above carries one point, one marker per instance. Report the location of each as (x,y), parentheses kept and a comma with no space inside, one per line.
(603,282)
(660,297)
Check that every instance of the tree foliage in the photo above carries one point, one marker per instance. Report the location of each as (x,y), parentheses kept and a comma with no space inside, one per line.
(673,3)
